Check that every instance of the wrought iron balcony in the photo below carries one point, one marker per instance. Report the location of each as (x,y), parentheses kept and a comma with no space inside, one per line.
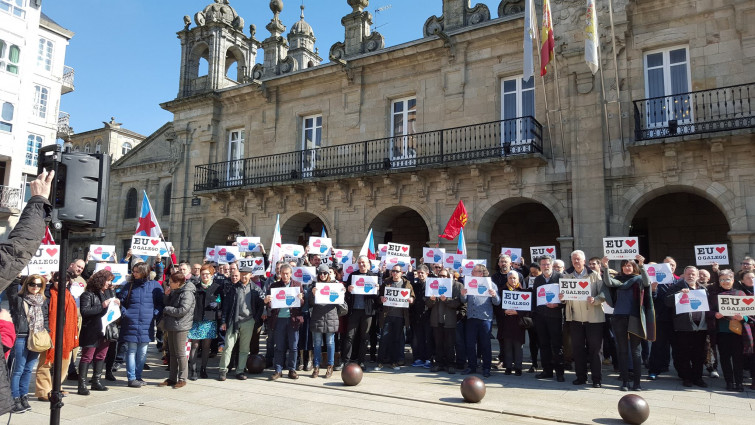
(68,74)
(65,131)
(497,139)
(697,112)
(10,199)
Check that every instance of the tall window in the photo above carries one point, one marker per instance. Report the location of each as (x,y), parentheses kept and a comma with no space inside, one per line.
(235,154)
(87,148)
(311,140)
(40,101)
(517,103)
(6,117)
(98,146)
(166,198)
(44,54)
(125,147)
(14,7)
(10,55)
(403,123)
(33,144)
(667,80)
(130,211)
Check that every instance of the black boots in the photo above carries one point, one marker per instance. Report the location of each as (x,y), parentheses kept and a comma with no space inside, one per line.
(193,372)
(96,384)
(82,375)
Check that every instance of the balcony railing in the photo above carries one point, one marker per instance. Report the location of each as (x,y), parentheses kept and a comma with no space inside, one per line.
(68,74)
(65,131)
(697,112)
(10,197)
(497,139)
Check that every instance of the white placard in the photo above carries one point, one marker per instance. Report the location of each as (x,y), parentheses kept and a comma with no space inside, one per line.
(382,250)
(165,248)
(144,245)
(291,250)
(467,266)
(45,261)
(257,264)
(514,253)
(575,289)
(392,261)
(348,269)
(211,254)
(365,285)
(77,288)
(319,245)
(397,249)
(375,266)
(516,300)
(343,256)
(433,255)
(102,252)
(329,293)
(227,254)
(248,243)
(437,286)
(453,261)
(285,297)
(478,286)
(304,275)
(542,251)
(113,313)
(118,270)
(396,297)
(548,294)
(622,248)
(691,302)
(660,273)
(706,255)
(731,305)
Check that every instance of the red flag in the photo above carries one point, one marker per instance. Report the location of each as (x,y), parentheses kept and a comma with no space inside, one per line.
(548,44)
(455,223)
(48,240)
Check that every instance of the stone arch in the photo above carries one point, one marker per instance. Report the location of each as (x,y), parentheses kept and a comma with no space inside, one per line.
(299,226)
(234,58)
(402,224)
(199,52)
(219,231)
(495,207)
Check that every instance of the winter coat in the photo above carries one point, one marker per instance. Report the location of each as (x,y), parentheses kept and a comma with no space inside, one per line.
(419,312)
(543,311)
(70,326)
(324,318)
(683,322)
(296,319)
(508,326)
(91,318)
(230,316)
(19,316)
(141,300)
(178,313)
(23,240)
(206,306)
(642,320)
(395,311)
(583,311)
(371,302)
(443,313)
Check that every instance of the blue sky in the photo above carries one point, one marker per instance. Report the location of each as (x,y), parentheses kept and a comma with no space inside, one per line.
(127,57)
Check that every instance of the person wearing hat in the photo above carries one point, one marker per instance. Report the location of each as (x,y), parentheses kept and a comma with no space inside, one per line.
(324,321)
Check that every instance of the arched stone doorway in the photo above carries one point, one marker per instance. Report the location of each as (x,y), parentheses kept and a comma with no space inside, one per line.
(223,232)
(401,225)
(300,227)
(672,224)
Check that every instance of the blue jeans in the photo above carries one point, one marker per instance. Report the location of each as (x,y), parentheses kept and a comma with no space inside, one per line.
(317,338)
(286,337)
(137,354)
(478,334)
(23,363)
(305,341)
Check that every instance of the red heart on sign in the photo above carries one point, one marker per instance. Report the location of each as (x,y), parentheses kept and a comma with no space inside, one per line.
(748,301)
(631,242)
(404,293)
(360,282)
(278,245)
(508,252)
(550,250)
(298,273)
(430,253)
(584,284)
(349,269)
(281,295)
(325,290)
(470,264)
(98,250)
(222,251)
(394,260)
(651,271)
(51,251)
(316,243)
(473,283)
(721,249)
(450,260)
(258,262)
(212,253)
(339,254)
(244,242)
(525,296)
(406,248)
(107,268)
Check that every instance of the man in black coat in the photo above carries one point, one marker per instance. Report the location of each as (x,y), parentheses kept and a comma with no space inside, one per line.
(548,320)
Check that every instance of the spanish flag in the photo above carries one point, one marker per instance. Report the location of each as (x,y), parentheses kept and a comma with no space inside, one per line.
(457,221)
(546,38)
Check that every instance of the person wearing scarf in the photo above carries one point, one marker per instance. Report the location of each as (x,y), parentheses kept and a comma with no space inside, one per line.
(512,332)
(204,328)
(633,317)
(731,346)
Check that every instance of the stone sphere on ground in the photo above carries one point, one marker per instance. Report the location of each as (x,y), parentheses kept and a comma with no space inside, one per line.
(634,409)
(351,374)
(472,389)
(255,363)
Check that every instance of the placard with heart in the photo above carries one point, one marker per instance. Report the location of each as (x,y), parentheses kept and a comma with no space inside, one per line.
(44,261)
(542,251)
(391,261)
(437,286)
(288,250)
(659,272)
(433,255)
(397,249)
(255,264)
(248,243)
(329,293)
(621,248)
(514,253)
(478,286)
(227,254)
(453,261)
(708,254)
(364,285)
(112,314)
(691,302)
(382,250)
(375,266)
(731,305)
(467,265)
(548,294)
(211,254)
(287,297)
(348,269)
(319,245)
(119,271)
(575,289)
(342,256)
(396,297)
(516,300)
(165,247)
(144,245)
(102,252)
(304,275)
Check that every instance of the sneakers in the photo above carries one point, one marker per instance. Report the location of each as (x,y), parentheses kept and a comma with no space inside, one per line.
(135,383)
(25,402)
(713,374)
(378,368)
(427,364)
(418,363)
(18,406)
(395,366)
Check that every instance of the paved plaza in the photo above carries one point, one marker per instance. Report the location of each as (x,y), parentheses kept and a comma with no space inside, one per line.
(412,395)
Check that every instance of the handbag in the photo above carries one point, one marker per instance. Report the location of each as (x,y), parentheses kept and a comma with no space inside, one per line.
(526,322)
(735,326)
(38,342)
(112,332)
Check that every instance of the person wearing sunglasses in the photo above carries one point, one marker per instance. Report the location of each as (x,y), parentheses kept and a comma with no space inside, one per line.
(324,322)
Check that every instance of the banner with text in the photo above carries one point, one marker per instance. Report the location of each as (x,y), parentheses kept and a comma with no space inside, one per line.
(575,289)
(731,305)
(396,297)
(542,251)
(144,245)
(45,261)
(516,300)
(706,255)
(624,248)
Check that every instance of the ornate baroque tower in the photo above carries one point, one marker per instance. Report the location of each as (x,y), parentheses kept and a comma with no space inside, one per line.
(301,39)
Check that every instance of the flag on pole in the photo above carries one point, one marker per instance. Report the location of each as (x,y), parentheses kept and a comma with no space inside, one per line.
(455,223)
(147,224)
(323,234)
(48,240)
(368,248)
(274,255)
(591,37)
(530,27)
(548,44)
(461,247)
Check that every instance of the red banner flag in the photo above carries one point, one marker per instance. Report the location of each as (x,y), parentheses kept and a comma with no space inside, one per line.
(48,240)
(457,221)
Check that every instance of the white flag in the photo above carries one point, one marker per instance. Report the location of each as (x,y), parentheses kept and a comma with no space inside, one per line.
(530,22)
(274,255)
(591,37)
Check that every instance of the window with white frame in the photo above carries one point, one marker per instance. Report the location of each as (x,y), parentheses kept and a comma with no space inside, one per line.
(311,140)
(125,148)
(33,144)
(517,105)
(41,95)
(403,126)
(44,54)
(235,153)
(667,82)
(10,56)
(14,7)
(6,117)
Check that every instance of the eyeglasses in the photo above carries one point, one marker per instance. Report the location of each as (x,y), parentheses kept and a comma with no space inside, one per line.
(324,273)
(35,285)
(726,280)
(395,271)
(746,264)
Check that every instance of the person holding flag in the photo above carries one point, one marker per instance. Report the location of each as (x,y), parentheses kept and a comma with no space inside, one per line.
(455,224)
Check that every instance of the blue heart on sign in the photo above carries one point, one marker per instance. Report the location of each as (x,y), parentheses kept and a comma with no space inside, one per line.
(105,255)
(402,264)
(296,253)
(229,256)
(344,260)
(110,315)
(436,258)
(695,303)
(251,246)
(116,277)
(481,289)
(457,264)
(442,290)
(333,296)
(549,296)
(367,287)
(289,299)
(323,249)
(660,276)
(306,278)
(162,252)
(514,257)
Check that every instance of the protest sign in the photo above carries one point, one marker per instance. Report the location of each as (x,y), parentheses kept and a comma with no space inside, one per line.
(453,261)
(248,243)
(392,261)
(144,245)
(256,264)
(706,255)
(433,255)
(285,297)
(660,272)
(467,266)
(365,285)
(396,297)
(119,271)
(731,305)
(44,261)
(227,254)
(622,248)
(575,289)
(329,293)
(102,252)
(211,254)
(516,300)
(304,275)
(478,286)
(165,248)
(343,256)
(542,251)
(514,253)
(348,269)
(112,314)
(435,287)
(397,249)
(382,250)
(548,294)
(691,302)
(291,250)
(319,245)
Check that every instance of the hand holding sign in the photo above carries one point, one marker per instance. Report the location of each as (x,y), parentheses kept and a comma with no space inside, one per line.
(622,248)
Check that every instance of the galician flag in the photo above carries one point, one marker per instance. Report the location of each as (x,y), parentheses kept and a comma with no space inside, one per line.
(461,247)
(147,224)
(591,37)
(530,29)
(546,38)
(274,255)
(323,234)
(368,248)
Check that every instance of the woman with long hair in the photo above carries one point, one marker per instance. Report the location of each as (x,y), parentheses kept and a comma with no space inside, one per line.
(93,304)
(204,327)
(177,320)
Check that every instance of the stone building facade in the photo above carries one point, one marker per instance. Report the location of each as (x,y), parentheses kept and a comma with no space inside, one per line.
(111,139)
(658,144)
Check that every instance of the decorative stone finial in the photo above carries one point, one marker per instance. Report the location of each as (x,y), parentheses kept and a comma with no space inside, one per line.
(358,5)
(276,6)
(302,11)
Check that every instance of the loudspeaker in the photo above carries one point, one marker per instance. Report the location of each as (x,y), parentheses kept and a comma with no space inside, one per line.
(80,190)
